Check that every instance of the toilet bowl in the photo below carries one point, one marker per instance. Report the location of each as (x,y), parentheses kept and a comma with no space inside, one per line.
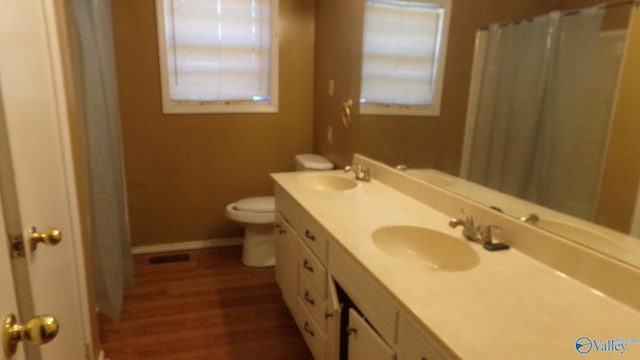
(257,215)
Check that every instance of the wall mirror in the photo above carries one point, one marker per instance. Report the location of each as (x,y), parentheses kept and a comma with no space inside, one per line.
(537,118)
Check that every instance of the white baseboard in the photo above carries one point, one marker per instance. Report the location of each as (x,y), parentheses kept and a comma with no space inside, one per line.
(186,245)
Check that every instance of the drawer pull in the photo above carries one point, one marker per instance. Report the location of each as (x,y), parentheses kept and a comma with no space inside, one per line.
(308,298)
(307,266)
(281,229)
(308,330)
(309,235)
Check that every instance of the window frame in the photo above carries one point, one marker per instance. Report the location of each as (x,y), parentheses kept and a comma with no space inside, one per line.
(432,109)
(170,106)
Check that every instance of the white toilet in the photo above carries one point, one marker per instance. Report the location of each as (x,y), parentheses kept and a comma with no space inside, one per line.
(257,215)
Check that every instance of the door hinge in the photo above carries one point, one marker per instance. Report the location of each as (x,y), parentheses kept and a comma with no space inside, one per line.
(16,245)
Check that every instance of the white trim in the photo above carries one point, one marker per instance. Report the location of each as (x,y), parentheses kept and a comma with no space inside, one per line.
(185,245)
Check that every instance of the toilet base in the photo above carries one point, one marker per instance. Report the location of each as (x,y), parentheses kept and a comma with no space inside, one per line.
(258,247)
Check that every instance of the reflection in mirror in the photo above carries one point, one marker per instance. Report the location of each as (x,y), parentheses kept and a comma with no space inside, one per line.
(610,242)
(552,147)
(543,116)
(403,48)
(542,121)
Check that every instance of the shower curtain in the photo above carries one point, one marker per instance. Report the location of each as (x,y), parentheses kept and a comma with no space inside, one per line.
(543,121)
(110,246)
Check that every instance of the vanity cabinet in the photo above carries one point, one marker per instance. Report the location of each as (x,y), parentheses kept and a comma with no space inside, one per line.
(287,258)
(301,272)
(308,265)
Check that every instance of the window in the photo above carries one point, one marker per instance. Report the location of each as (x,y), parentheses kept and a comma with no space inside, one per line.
(403,56)
(218,56)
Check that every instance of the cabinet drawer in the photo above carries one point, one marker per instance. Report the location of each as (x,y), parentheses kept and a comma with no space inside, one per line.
(313,301)
(315,237)
(291,211)
(311,267)
(414,344)
(312,335)
(308,229)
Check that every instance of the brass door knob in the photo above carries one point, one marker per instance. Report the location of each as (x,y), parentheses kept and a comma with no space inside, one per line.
(49,237)
(39,330)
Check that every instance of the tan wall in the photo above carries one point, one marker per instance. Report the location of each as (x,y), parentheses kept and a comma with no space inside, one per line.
(622,168)
(436,141)
(182,170)
(339,26)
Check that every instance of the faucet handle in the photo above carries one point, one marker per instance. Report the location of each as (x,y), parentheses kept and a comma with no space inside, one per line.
(366,174)
(532,218)
(360,172)
(487,233)
(467,217)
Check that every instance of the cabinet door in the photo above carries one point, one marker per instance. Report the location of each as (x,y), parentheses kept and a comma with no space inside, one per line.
(364,342)
(333,315)
(287,255)
(415,344)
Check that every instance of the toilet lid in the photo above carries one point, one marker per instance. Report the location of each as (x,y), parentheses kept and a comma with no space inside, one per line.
(314,162)
(259,204)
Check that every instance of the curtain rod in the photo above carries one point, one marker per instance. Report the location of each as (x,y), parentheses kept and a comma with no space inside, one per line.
(574,12)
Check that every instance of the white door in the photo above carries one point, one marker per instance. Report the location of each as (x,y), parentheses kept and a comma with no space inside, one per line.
(36,117)
(8,303)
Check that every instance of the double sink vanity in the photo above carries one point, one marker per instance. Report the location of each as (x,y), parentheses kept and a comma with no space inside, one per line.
(374,267)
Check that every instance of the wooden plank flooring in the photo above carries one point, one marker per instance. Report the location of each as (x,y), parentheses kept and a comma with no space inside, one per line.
(210,307)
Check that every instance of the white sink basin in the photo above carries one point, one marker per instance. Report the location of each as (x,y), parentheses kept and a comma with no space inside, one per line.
(327,182)
(436,250)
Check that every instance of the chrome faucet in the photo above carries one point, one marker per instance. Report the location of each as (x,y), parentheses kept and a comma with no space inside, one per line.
(360,172)
(530,218)
(479,234)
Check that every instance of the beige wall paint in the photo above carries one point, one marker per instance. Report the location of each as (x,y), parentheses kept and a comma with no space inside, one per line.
(338,54)
(622,168)
(182,170)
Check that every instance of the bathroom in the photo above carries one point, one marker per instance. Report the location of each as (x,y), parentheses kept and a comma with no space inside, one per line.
(182,170)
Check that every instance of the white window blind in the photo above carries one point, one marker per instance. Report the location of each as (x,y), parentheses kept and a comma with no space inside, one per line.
(403,57)
(218,55)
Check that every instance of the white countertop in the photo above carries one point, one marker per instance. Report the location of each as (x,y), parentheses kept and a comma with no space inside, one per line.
(507,307)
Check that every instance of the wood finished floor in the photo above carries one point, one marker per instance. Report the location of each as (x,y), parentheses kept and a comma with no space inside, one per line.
(210,307)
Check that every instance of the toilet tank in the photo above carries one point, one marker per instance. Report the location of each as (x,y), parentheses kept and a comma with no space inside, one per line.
(312,162)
